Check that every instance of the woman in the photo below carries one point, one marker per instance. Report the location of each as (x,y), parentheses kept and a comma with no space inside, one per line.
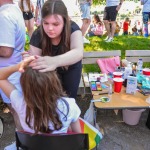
(27,9)
(42,108)
(59,43)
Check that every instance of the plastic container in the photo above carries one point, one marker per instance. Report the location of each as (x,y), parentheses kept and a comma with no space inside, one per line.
(131,85)
(132,116)
(110,90)
(128,71)
(146,71)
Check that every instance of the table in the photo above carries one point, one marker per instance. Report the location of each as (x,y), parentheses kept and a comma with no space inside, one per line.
(120,100)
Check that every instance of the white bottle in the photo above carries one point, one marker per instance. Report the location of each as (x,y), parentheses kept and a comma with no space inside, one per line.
(128,71)
(139,66)
(110,91)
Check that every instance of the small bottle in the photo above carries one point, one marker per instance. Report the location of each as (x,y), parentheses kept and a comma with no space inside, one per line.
(139,66)
(110,91)
(128,71)
(122,71)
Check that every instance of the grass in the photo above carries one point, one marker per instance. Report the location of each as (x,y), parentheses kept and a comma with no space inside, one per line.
(120,43)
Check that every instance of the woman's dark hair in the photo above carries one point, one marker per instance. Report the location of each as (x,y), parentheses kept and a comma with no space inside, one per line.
(56,7)
(41,92)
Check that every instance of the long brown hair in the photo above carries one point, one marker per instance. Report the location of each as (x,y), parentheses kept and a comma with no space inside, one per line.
(56,7)
(41,92)
(28,3)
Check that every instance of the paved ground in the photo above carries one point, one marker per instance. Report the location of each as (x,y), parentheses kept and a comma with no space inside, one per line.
(117,135)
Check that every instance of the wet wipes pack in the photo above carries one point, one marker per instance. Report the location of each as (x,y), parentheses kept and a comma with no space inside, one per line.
(131,85)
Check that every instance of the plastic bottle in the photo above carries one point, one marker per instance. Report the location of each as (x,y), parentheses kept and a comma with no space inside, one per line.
(110,91)
(128,71)
(139,66)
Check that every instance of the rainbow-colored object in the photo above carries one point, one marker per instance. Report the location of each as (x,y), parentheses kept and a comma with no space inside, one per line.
(95,135)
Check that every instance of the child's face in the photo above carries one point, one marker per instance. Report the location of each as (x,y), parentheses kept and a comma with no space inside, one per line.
(94,21)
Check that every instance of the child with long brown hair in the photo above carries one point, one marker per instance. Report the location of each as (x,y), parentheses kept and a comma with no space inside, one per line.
(41,104)
(96,29)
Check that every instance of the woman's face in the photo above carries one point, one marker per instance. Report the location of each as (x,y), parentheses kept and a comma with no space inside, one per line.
(53,26)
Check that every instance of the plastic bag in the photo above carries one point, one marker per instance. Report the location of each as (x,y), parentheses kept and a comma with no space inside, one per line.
(144,80)
(89,114)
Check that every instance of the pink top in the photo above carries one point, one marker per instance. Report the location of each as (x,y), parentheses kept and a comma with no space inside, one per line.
(98,29)
(108,65)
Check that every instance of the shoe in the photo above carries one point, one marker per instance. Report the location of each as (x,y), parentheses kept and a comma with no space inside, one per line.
(109,40)
(106,38)
(11,146)
(85,40)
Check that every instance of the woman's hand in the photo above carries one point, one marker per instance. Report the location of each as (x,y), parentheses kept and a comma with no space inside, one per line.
(26,63)
(44,64)
(25,55)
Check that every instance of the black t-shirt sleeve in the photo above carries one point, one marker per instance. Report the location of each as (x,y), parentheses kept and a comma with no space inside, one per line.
(36,39)
(74,27)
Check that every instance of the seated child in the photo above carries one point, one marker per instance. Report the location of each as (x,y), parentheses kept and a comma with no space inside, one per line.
(117,29)
(134,31)
(41,104)
(96,29)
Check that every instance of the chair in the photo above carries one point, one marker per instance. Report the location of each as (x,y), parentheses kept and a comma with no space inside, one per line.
(1,127)
(68,141)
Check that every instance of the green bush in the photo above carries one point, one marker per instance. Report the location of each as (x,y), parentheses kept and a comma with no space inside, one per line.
(27,42)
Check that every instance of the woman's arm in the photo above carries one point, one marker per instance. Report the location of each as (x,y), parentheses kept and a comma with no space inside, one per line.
(75,126)
(36,13)
(33,51)
(142,2)
(19,4)
(5,85)
(32,8)
(48,63)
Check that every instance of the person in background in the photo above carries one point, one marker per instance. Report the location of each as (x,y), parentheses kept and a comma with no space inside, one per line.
(117,29)
(146,15)
(85,6)
(42,108)
(27,9)
(126,25)
(59,44)
(135,31)
(39,5)
(110,14)
(12,41)
(96,29)
(139,27)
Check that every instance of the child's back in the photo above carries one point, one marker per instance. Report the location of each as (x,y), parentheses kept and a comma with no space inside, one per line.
(126,26)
